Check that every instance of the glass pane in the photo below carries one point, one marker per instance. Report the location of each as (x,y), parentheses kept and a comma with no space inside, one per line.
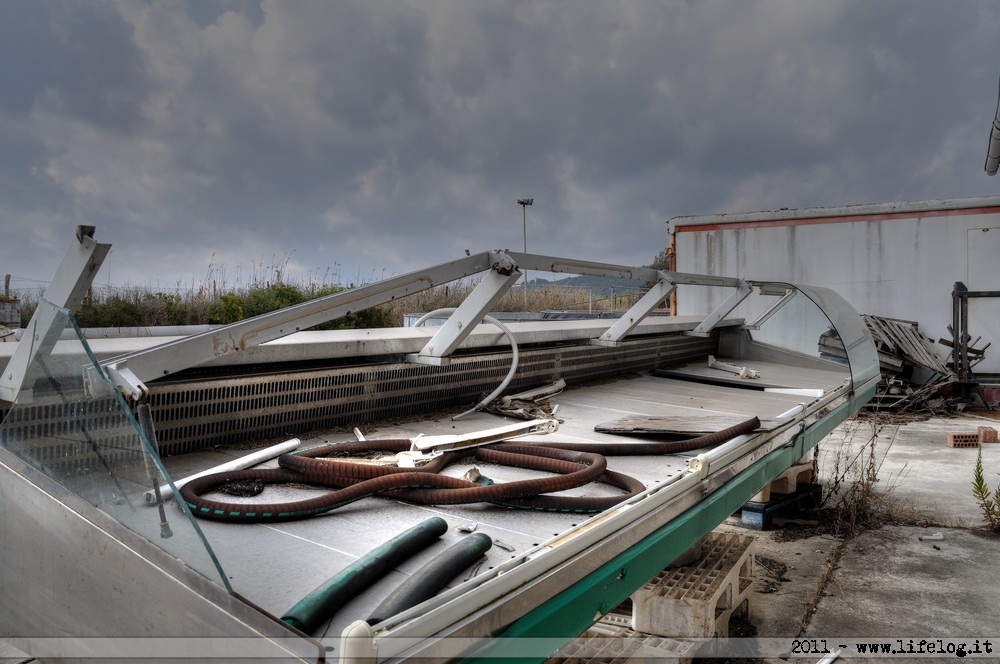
(71,423)
(819,322)
(797,326)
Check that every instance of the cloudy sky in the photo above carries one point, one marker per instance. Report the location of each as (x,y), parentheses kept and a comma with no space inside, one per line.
(360,139)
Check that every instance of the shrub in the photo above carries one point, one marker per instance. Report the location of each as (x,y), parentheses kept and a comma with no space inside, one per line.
(270,298)
(228,309)
(989,505)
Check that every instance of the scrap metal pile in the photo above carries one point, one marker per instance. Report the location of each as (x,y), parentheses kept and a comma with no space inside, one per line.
(913,375)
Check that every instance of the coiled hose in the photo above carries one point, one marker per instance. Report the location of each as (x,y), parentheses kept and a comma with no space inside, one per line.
(571,465)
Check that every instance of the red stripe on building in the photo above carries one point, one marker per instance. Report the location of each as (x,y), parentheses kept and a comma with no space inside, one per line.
(835,219)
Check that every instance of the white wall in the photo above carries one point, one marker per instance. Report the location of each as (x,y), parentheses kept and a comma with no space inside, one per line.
(894,265)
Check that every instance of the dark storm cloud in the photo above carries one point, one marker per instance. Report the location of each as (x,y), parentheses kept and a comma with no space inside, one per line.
(384,135)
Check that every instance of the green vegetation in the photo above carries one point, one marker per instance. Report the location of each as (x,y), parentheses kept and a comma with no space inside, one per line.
(989,504)
(133,306)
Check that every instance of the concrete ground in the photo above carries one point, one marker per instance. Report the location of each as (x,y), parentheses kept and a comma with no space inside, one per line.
(930,574)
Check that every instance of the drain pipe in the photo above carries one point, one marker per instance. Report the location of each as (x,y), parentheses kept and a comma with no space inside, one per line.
(993,153)
(513,363)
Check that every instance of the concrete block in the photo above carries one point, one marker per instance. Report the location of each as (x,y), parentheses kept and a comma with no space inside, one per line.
(638,646)
(958,439)
(698,600)
(788,481)
(802,471)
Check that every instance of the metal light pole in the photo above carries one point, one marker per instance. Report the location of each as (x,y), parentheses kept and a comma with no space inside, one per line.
(524,203)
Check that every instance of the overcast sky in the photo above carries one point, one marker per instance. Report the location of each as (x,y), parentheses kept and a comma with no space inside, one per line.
(362,139)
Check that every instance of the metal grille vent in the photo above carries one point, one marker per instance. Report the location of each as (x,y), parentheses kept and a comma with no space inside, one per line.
(64,438)
(195,414)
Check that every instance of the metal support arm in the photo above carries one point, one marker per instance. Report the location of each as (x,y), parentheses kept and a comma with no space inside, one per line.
(621,327)
(773,309)
(460,324)
(129,372)
(741,293)
(67,289)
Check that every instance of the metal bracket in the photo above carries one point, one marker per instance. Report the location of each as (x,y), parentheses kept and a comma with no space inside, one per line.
(495,284)
(741,293)
(486,437)
(67,289)
(621,327)
(773,309)
(127,381)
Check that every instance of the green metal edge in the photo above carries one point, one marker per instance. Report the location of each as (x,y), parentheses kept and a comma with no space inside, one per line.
(569,613)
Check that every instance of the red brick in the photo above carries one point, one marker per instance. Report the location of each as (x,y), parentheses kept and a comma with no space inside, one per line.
(962,439)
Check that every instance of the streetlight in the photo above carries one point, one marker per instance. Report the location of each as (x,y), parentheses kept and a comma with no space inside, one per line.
(524,203)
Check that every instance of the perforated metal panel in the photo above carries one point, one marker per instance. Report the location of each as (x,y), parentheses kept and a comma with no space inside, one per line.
(194,414)
(64,437)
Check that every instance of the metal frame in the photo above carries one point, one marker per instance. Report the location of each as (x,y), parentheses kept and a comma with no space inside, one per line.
(66,291)
(559,587)
(741,293)
(460,324)
(773,309)
(130,372)
(960,350)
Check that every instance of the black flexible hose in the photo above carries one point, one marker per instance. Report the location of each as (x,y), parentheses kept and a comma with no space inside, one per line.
(310,612)
(432,577)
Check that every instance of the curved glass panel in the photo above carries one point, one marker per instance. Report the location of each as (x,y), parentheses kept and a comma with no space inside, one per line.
(71,423)
(819,322)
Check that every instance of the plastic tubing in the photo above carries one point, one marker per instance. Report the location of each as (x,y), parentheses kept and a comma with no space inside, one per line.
(432,577)
(310,612)
(513,363)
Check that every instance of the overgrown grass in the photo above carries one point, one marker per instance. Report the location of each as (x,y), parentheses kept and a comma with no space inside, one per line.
(136,306)
(857,498)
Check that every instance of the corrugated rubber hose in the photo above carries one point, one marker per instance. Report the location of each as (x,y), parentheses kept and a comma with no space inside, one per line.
(570,464)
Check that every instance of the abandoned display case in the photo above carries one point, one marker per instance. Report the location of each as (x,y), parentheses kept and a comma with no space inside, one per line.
(105,564)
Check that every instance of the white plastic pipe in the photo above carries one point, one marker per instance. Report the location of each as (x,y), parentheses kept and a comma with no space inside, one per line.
(252,459)
(513,360)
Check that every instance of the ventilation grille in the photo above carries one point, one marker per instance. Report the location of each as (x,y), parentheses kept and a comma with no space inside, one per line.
(195,414)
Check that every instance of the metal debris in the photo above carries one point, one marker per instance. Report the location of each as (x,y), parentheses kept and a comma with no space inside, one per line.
(742,372)
(913,375)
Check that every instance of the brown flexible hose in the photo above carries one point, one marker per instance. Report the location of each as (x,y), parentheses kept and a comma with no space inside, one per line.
(570,465)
